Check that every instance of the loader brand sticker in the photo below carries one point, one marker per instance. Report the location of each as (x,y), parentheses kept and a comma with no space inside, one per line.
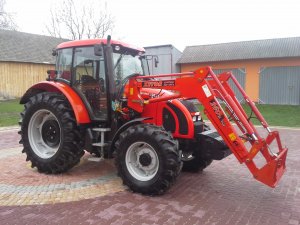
(217,111)
(163,83)
(206,90)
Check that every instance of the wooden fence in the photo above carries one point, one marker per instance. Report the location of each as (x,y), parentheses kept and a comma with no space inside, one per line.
(16,78)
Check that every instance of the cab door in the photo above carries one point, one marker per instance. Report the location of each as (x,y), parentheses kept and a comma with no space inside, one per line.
(89,80)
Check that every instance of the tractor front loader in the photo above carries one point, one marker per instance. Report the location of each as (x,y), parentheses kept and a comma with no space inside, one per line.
(101,99)
(210,90)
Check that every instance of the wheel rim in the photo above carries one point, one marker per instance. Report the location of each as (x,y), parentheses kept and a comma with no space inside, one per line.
(44,133)
(142,161)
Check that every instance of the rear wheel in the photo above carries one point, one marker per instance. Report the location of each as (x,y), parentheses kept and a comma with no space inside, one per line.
(147,159)
(49,133)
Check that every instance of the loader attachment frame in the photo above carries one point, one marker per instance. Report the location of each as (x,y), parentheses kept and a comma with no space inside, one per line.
(221,106)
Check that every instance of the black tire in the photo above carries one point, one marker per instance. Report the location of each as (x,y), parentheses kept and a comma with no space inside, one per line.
(155,150)
(53,120)
(195,162)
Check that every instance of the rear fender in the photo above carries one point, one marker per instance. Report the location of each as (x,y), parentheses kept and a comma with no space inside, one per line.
(80,111)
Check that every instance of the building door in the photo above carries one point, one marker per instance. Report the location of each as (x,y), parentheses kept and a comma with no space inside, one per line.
(280,85)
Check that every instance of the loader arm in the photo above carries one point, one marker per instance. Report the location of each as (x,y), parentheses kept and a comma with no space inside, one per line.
(210,89)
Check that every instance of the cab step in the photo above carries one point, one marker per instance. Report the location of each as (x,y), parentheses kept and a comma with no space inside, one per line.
(100,144)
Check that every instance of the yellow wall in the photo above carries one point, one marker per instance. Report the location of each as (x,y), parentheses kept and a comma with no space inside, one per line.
(16,78)
(252,68)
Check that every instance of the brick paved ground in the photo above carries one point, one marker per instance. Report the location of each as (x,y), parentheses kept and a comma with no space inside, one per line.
(91,193)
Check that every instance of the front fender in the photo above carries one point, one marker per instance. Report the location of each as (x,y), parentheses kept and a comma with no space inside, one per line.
(123,128)
(80,111)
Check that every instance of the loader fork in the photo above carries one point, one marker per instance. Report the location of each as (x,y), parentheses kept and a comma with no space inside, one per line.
(274,168)
(211,89)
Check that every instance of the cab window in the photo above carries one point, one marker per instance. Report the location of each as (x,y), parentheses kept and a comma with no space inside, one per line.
(89,79)
(64,64)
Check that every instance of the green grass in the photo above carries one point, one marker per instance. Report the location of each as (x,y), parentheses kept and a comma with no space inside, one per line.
(10,112)
(278,115)
(275,115)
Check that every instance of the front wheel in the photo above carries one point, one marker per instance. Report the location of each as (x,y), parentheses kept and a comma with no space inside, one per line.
(147,159)
(193,161)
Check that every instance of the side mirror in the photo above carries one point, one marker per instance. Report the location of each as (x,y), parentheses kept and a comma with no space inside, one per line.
(54,52)
(156,61)
(98,50)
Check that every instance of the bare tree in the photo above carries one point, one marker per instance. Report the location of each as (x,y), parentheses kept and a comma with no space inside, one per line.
(6,19)
(70,20)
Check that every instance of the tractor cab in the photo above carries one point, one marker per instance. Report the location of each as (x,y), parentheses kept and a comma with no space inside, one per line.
(96,70)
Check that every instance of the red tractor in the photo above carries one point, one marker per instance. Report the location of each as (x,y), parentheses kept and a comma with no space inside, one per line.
(100,99)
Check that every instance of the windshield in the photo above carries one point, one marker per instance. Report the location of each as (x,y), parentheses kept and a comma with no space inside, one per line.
(126,65)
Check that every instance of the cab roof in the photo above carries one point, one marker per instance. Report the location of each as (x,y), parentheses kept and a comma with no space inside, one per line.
(90,42)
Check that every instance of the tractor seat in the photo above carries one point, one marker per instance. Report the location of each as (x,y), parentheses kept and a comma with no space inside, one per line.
(87,79)
(66,75)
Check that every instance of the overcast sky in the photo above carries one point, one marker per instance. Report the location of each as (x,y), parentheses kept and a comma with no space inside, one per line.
(180,22)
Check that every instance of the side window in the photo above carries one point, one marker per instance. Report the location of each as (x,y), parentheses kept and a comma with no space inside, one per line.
(64,64)
(88,67)
(84,64)
(89,73)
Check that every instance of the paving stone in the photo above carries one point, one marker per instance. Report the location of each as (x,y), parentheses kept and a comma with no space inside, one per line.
(293,222)
(91,193)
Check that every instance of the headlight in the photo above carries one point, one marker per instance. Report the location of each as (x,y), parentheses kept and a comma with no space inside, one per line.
(196,116)
(193,106)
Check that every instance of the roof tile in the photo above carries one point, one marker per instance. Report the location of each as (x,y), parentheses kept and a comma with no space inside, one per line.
(259,49)
(24,47)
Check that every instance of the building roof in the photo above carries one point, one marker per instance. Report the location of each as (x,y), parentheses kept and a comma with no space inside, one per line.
(24,47)
(159,46)
(169,46)
(259,49)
